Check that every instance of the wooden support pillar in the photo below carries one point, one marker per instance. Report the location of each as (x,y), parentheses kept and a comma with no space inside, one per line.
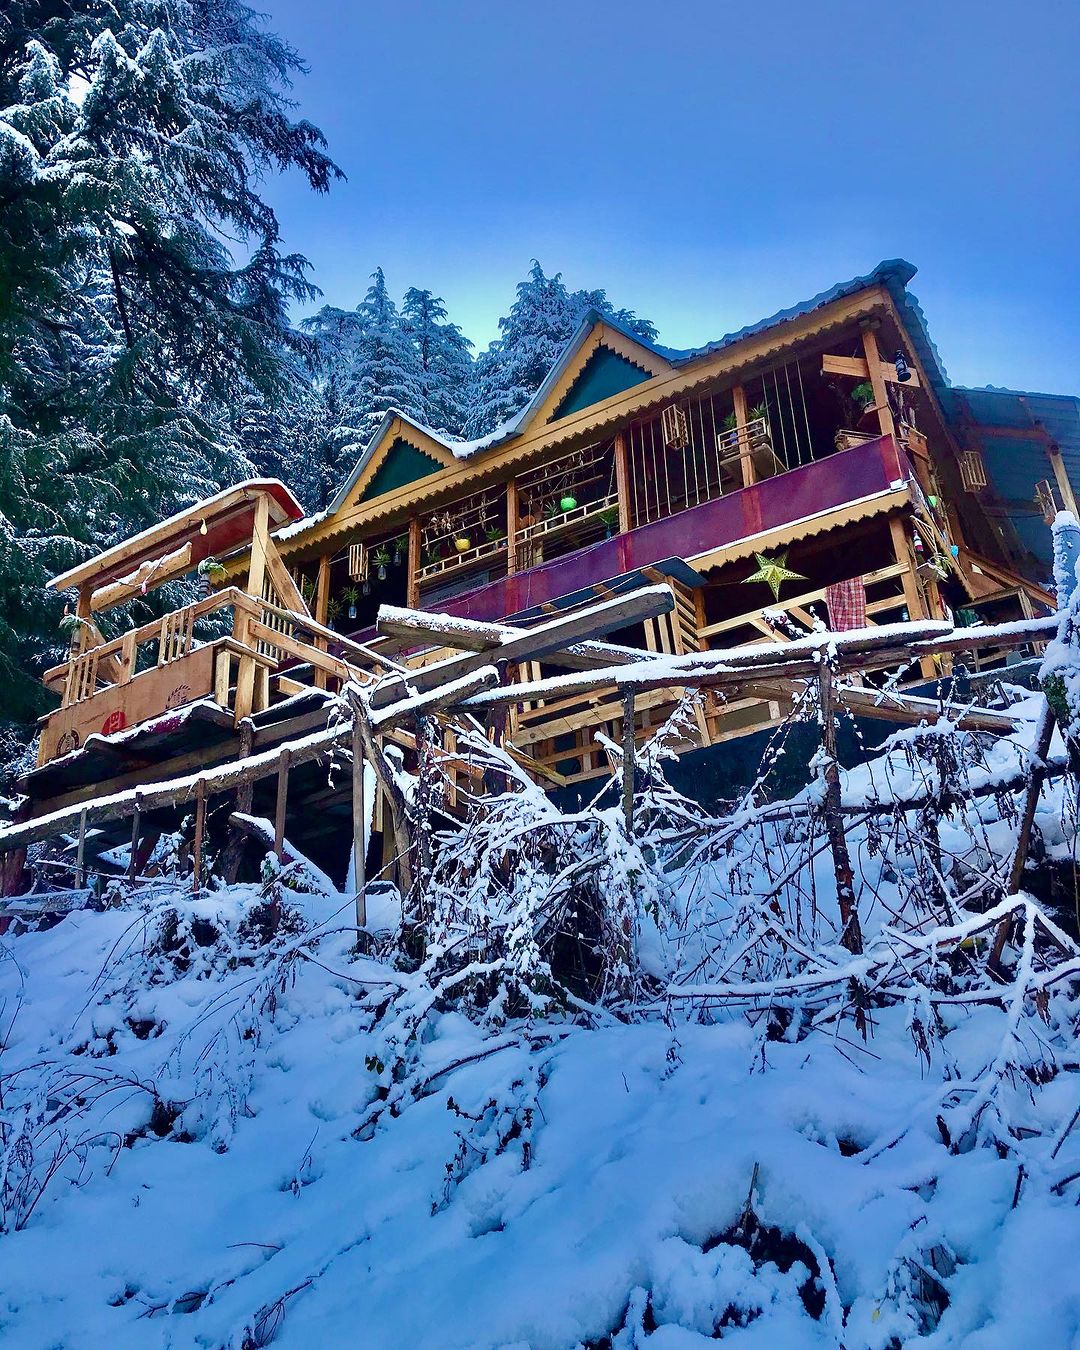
(413,583)
(246,674)
(281,804)
(511,527)
(234,848)
(80,853)
(322,589)
(628,759)
(851,932)
(1068,500)
(742,419)
(359,821)
(877,381)
(200,827)
(133,860)
(623,486)
(913,598)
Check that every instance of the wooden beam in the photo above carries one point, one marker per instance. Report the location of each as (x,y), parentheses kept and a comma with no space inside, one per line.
(858,368)
(532,644)
(1062,480)
(877,381)
(154,572)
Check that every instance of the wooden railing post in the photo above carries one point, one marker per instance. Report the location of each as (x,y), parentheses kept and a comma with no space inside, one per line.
(622,481)
(359,823)
(511,527)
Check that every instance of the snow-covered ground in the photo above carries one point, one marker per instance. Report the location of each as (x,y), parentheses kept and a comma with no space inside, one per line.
(571,1184)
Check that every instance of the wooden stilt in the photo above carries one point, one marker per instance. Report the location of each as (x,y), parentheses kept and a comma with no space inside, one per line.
(359,821)
(200,826)
(80,854)
(628,761)
(851,932)
(136,827)
(282,802)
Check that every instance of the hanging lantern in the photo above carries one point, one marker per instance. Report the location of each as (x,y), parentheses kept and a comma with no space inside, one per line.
(903,373)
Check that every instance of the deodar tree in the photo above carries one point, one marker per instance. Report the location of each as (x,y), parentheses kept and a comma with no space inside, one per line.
(143,289)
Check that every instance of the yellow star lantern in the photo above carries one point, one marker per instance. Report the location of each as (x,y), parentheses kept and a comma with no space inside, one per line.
(774,571)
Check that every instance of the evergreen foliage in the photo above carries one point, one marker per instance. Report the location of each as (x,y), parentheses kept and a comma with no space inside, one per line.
(541,321)
(143,291)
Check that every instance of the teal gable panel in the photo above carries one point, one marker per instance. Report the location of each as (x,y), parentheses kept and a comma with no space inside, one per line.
(605,373)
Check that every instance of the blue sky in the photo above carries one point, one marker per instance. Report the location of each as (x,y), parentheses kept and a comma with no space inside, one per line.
(707,163)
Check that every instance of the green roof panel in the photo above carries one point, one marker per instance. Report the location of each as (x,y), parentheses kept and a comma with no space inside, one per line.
(605,373)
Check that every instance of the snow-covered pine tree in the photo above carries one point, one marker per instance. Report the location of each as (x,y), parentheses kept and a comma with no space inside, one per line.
(132,140)
(444,357)
(540,322)
(365,365)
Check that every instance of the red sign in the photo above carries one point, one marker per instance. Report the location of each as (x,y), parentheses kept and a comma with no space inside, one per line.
(116,721)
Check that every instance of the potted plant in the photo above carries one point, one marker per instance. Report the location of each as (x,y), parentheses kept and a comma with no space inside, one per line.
(349,597)
(333,609)
(759,413)
(609,518)
(401,548)
(568,503)
(381,558)
(863,396)
(551,510)
(462,542)
(496,535)
(214,573)
(729,429)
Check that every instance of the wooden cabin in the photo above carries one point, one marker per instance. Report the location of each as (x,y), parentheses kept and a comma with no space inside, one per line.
(813,467)
(823,439)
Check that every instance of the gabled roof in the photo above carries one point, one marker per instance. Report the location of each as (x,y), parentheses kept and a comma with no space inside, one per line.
(893,275)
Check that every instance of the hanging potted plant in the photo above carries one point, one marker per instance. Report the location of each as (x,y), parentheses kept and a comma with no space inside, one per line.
(863,397)
(462,542)
(215,574)
(568,503)
(401,548)
(333,609)
(349,597)
(381,559)
(609,518)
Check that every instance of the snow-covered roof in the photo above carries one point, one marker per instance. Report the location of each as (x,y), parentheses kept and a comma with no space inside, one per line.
(893,274)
